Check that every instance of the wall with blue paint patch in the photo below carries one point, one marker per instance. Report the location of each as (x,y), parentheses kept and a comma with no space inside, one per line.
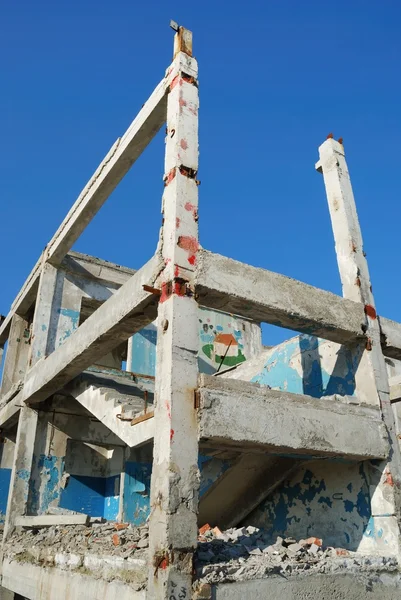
(218,333)
(329,500)
(307,365)
(6,463)
(66,307)
(137,484)
(92,480)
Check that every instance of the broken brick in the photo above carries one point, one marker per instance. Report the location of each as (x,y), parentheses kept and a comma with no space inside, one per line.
(116,539)
(120,526)
(204,528)
(311,540)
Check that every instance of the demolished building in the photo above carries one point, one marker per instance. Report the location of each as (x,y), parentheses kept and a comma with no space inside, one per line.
(151,447)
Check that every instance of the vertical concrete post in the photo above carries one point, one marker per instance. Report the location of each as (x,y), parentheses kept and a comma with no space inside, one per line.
(371,378)
(175,477)
(43,313)
(16,360)
(21,471)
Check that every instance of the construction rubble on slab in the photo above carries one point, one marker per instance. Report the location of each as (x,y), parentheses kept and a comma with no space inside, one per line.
(152,448)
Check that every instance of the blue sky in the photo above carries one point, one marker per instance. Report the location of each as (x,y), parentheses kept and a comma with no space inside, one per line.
(275,79)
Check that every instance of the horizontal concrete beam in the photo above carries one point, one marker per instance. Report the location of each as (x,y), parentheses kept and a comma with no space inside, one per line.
(110,172)
(49,520)
(91,267)
(390,337)
(123,314)
(246,415)
(234,287)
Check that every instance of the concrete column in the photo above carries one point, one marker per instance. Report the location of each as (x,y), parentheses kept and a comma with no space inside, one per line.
(7,594)
(21,471)
(16,360)
(371,378)
(43,313)
(175,477)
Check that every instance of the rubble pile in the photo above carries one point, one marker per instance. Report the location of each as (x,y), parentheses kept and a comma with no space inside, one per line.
(119,551)
(116,539)
(247,553)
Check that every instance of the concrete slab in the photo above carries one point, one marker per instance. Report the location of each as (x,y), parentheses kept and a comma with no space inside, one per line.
(37,583)
(252,417)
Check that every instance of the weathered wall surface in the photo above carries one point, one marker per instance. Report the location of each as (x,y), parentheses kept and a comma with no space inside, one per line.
(219,334)
(307,365)
(303,365)
(138,470)
(328,500)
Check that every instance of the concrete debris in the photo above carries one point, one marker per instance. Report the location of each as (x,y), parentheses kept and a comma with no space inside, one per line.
(110,550)
(247,553)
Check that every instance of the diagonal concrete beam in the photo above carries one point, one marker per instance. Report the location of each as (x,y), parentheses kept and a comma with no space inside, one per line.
(250,417)
(234,287)
(126,312)
(243,487)
(110,172)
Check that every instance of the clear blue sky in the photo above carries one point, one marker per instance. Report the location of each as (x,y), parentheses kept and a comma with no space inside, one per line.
(275,79)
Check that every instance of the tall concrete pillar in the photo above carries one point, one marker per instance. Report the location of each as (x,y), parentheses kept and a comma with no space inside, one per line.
(43,313)
(21,472)
(175,477)
(29,436)
(16,359)
(371,377)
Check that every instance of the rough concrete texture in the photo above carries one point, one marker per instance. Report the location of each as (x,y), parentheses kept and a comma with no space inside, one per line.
(238,413)
(48,583)
(335,586)
(261,295)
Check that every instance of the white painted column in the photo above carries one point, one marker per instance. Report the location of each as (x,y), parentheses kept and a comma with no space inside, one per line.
(371,378)
(175,477)
(43,313)
(21,472)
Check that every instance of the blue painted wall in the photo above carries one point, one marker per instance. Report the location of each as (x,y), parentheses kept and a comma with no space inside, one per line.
(137,492)
(328,500)
(5,477)
(309,365)
(94,496)
(137,485)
